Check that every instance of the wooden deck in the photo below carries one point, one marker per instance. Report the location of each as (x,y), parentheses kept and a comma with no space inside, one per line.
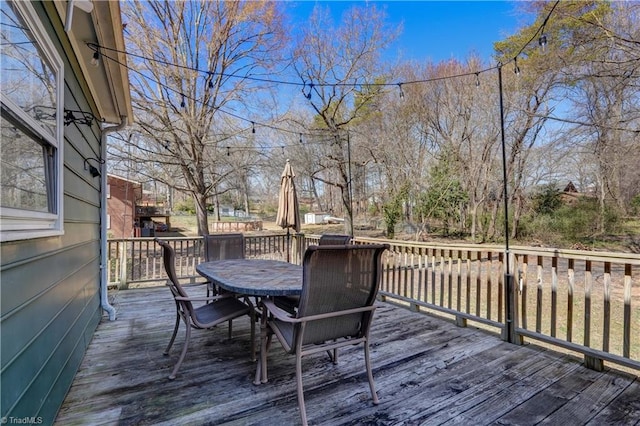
(427,370)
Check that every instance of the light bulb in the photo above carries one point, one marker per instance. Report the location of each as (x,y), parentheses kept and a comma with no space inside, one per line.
(542,41)
(95,59)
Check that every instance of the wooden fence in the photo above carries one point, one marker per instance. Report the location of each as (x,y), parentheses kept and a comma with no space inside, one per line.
(582,301)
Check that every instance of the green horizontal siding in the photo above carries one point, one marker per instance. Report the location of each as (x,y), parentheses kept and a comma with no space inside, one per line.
(50,287)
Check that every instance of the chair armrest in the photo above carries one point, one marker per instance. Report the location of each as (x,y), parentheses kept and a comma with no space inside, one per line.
(277,312)
(205,298)
(195,284)
(286,317)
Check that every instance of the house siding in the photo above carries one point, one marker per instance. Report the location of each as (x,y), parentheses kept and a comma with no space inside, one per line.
(50,287)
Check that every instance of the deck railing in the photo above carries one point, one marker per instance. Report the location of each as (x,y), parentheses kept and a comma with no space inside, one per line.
(583,301)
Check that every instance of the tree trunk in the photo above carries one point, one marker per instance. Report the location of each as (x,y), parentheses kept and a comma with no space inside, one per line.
(316,197)
(201,214)
(348,217)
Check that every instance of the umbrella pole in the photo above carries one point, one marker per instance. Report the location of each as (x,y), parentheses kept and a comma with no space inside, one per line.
(288,247)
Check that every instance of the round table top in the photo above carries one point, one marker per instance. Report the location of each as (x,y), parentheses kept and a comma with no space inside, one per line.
(255,277)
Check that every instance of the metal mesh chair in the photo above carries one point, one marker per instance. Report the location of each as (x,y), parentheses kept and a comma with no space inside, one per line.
(222,246)
(333,239)
(217,310)
(340,284)
(290,303)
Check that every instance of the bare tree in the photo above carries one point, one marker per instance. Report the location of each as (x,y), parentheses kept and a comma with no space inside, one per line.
(338,65)
(606,97)
(193,63)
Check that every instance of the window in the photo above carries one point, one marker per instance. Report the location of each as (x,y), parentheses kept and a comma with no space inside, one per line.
(31,77)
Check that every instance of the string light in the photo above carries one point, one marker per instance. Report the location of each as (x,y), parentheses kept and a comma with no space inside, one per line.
(210,84)
(516,68)
(96,48)
(311,86)
(542,41)
(228,151)
(253,127)
(308,95)
(95,60)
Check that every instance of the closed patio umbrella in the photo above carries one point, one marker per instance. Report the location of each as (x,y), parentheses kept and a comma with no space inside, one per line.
(288,216)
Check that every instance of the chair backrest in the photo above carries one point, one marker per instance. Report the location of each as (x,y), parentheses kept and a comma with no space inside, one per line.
(333,239)
(169,259)
(336,278)
(224,246)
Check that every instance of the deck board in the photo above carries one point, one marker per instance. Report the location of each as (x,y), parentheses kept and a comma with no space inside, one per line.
(428,371)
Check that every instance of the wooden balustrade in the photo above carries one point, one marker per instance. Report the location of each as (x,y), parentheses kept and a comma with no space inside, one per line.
(583,301)
(139,260)
(243,226)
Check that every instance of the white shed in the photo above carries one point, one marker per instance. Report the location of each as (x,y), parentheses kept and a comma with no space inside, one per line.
(314,218)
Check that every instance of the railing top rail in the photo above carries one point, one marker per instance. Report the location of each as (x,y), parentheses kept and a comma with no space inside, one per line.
(595,256)
(601,256)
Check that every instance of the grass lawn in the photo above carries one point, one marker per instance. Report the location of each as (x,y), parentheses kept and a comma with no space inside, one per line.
(186,226)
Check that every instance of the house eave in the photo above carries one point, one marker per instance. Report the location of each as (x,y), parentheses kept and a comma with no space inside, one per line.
(107,83)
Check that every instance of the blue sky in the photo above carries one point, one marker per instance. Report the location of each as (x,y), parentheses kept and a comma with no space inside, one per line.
(437,30)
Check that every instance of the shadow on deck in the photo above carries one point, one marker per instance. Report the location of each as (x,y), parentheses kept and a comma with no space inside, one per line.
(427,371)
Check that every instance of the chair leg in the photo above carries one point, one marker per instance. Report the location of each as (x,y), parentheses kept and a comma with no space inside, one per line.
(372,384)
(264,349)
(211,290)
(261,368)
(303,411)
(252,316)
(333,355)
(183,354)
(173,336)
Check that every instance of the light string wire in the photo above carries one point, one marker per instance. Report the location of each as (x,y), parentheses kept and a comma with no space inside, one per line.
(253,123)
(96,47)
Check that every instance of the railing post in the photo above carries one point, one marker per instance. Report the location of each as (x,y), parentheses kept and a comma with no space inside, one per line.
(123,285)
(510,310)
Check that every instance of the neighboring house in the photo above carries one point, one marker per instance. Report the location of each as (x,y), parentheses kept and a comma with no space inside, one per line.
(570,194)
(122,197)
(56,109)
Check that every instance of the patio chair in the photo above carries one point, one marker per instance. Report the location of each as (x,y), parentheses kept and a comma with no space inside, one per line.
(333,239)
(339,287)
(290,303)
(216,310)
(222,246)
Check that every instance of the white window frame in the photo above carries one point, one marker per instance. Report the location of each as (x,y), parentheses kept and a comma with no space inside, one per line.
(20,224)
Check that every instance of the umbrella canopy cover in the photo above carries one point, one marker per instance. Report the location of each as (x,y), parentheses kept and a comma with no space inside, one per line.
(288,210)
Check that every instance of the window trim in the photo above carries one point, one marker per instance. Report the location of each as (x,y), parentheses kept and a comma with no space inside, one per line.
(19,224)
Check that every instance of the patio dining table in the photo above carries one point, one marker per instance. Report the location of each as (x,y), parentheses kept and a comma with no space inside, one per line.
(254,277)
